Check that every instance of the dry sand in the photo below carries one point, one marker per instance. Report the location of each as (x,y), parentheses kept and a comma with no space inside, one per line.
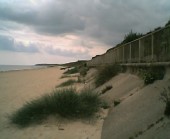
(17,87)
(140,107)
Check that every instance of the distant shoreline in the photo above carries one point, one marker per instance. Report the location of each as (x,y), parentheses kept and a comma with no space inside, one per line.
(8,68)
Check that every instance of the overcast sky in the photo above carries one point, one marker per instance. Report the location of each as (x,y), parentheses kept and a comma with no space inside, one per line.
(59,31)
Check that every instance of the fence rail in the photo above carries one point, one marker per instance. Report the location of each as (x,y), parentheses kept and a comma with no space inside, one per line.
(151,48)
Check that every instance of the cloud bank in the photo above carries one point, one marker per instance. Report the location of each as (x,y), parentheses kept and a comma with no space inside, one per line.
(8,43)
(95,23)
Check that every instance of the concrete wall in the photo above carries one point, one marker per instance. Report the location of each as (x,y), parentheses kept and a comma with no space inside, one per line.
(153,47)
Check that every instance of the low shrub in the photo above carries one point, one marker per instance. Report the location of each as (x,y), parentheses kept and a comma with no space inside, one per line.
(165,96)
(106,74)
(151,74)
(67,83)
(131,36)
(72,71)
(89,103)
(64,76)
(79,79)
(67,103)
(116,102)
(83,71)
(106,89)
(104,105)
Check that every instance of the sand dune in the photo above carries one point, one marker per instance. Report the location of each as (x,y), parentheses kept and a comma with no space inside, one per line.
(139,115)
(17,87)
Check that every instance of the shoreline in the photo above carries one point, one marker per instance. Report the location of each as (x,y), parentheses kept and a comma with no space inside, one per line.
(33,68)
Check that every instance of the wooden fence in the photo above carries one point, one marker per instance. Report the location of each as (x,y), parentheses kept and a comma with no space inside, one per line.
(151,48)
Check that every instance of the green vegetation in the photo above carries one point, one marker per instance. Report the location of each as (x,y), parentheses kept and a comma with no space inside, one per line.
(116,102)
(67,103)
(165,96)
(83,71)
(67,83)
(151,74)
(104,105)
(106,89)
(72,71)
(131,37)
(106,74)
(80,80)
(89,103)
(65,76)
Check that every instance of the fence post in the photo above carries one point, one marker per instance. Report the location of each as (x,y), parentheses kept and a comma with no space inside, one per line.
(130,52)
(123,55)
(139,50)
(152,45)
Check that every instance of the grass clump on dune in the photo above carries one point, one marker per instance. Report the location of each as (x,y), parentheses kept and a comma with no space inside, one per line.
(67,83)
(67,103)
(152,74)
(72,71)
(83,71)
(106,74)
(89,103)
(108,87)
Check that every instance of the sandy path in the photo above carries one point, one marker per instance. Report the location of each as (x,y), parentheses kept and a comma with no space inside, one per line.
(17,87)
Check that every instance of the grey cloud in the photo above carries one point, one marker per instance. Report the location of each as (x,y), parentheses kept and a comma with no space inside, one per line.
(8,43)
(106,21)
(49,19)
(116,18)
(31,48)
(11,14)
(3,29)
(67,53)
(86,44)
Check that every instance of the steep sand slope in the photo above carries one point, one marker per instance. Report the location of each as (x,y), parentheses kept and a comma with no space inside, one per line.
(123,85)
(140,114)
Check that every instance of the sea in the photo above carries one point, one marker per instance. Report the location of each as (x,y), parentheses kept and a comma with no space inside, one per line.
(4,68)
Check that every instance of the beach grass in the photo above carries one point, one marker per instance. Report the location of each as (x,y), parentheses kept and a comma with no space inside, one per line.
(107,88)
(152,74)
(66,103)
(106,73)
(104,105)
(72,71)
(67,83)
(83,71)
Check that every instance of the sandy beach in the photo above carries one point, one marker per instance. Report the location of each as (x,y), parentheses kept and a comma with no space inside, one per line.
(18,87)
(135,111)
